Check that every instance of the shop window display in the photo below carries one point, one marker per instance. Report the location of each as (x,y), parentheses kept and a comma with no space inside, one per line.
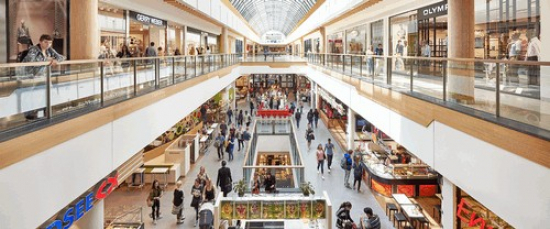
(470,213)
(335,44)
(356,40)
(28,20)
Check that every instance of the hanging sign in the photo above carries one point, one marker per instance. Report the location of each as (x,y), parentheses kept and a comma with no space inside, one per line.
(434,10)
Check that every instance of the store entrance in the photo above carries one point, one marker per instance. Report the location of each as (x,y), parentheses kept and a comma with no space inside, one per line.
(432,42)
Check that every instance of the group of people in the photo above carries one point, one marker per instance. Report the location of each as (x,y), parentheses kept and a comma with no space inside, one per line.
(312,117)
(367,221)
(225,141)
(348,163)
(269,183)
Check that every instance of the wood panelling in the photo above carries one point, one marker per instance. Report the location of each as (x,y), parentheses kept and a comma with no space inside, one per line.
(424,113)
(25,146)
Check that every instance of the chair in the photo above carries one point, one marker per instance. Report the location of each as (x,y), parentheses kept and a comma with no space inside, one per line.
(390,208)
(422,222)
(400,218)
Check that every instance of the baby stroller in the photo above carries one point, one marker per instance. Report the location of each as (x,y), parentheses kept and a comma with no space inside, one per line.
(206,216)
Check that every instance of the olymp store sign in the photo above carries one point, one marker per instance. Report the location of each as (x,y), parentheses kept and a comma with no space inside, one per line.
(65,218)
(146,19)
(434,10)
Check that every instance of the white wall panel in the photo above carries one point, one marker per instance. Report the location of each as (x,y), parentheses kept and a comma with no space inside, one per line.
(204,6)
(35,189)
(223,14)
(273,143)
(193,3)
(215,9)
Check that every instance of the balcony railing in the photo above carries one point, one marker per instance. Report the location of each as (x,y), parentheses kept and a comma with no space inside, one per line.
(34,95)
(510,93)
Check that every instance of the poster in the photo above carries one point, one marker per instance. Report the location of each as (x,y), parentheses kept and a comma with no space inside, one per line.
(291,209)
(226,210)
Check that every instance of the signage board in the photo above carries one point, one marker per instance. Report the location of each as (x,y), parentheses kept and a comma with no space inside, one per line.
(65,218)
(432,11)
(146,19)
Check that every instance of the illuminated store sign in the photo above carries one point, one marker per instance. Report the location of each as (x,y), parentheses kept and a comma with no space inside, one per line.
(470,217)
(434,10)
(146,19)
(83,204)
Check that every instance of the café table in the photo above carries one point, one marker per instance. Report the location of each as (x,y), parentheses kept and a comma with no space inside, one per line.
(401,199)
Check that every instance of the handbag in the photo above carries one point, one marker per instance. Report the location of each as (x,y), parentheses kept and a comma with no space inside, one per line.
(149,202)
(176,209)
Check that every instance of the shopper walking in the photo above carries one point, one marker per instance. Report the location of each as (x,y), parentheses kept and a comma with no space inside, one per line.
(150,52)
(321,160)
(343,214)
(357,173)
(329,150)
(178,203)
(224,179)
(203,176)
(196,193)
(209,191)
(251,107)
(346,164)
(203,111)
(247,119)
(369,221)
(223,128)
(240,139)
(316,117)
(256,184)
(154,198)
(219,144)
(240,119)
(298,116)
(310,117)
(309,136)
(230,147)
(270,183)
(229,115)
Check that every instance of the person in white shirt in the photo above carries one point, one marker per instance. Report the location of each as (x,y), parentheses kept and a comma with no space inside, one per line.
(426,50)
(533,53)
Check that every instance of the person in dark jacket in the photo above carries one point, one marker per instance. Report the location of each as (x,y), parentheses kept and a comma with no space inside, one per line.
(269,183)
(343,215)
(310,117)
(298,116)
(224,179)
(42,52)
(251,107)
(229,115)
(357,173)
(316,117)
(196,194)
(370,221)
(240,119)
(223,128)
(178,202)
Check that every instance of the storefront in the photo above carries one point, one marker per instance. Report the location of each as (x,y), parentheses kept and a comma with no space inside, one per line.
(112,25)
(24,29)
(308,46)
(285,83)
(175,39)
(193,41)
(356,40)
(145,29)
(334,114)
(335,44)
(472,214)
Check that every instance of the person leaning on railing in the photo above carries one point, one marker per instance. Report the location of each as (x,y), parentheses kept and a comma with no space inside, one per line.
(42,52)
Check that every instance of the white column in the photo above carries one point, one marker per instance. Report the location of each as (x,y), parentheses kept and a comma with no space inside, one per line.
(316,105)
(351,129)
(185,48)
(448,204)
(93,218)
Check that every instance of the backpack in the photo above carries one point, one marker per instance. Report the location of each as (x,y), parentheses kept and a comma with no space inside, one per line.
(217,143)
(344,163)
(246,136)
(21,56)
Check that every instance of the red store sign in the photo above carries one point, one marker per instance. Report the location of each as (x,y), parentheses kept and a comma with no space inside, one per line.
(462,213)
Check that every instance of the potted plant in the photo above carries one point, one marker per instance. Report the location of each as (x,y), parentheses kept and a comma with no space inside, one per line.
(307,189)
(239,187)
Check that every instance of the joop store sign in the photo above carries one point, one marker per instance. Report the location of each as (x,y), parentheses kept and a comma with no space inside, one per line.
(434,10)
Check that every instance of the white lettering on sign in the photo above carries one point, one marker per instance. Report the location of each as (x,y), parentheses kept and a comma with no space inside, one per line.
(147,19)
(435,9)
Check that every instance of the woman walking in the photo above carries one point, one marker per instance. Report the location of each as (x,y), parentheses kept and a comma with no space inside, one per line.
(343,215)
(154,197)
(256,184)
(196,192)
(321,160)
(209,191)
(178,203)
(309,136)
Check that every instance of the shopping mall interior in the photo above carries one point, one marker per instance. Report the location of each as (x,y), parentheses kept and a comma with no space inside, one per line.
(275,114)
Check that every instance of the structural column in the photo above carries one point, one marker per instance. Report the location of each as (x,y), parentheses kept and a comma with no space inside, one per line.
(448,204)
(460,75)
(244,47)
(316,96)
(254,49)
(323,40)
(302,49)
(185,48)
(84,37)
(350,129)
(224,41)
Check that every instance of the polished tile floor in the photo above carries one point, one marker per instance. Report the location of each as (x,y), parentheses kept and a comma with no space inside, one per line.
(333,184)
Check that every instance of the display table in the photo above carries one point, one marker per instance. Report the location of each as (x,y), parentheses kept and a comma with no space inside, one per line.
(138,172)
(179,155)
(161,171)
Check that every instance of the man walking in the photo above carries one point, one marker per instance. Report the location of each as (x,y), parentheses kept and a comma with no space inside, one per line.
(298,116)
(229,115)
(251,107)
(346,165)
(310,117)
(329,149)
(224,179)
(316,117)
(223,128)
(220,140)
(370,221)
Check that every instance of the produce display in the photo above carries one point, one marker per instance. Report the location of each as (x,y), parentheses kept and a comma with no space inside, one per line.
(273,209)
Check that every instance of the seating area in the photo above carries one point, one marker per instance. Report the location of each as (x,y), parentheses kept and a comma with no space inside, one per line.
(406,213)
